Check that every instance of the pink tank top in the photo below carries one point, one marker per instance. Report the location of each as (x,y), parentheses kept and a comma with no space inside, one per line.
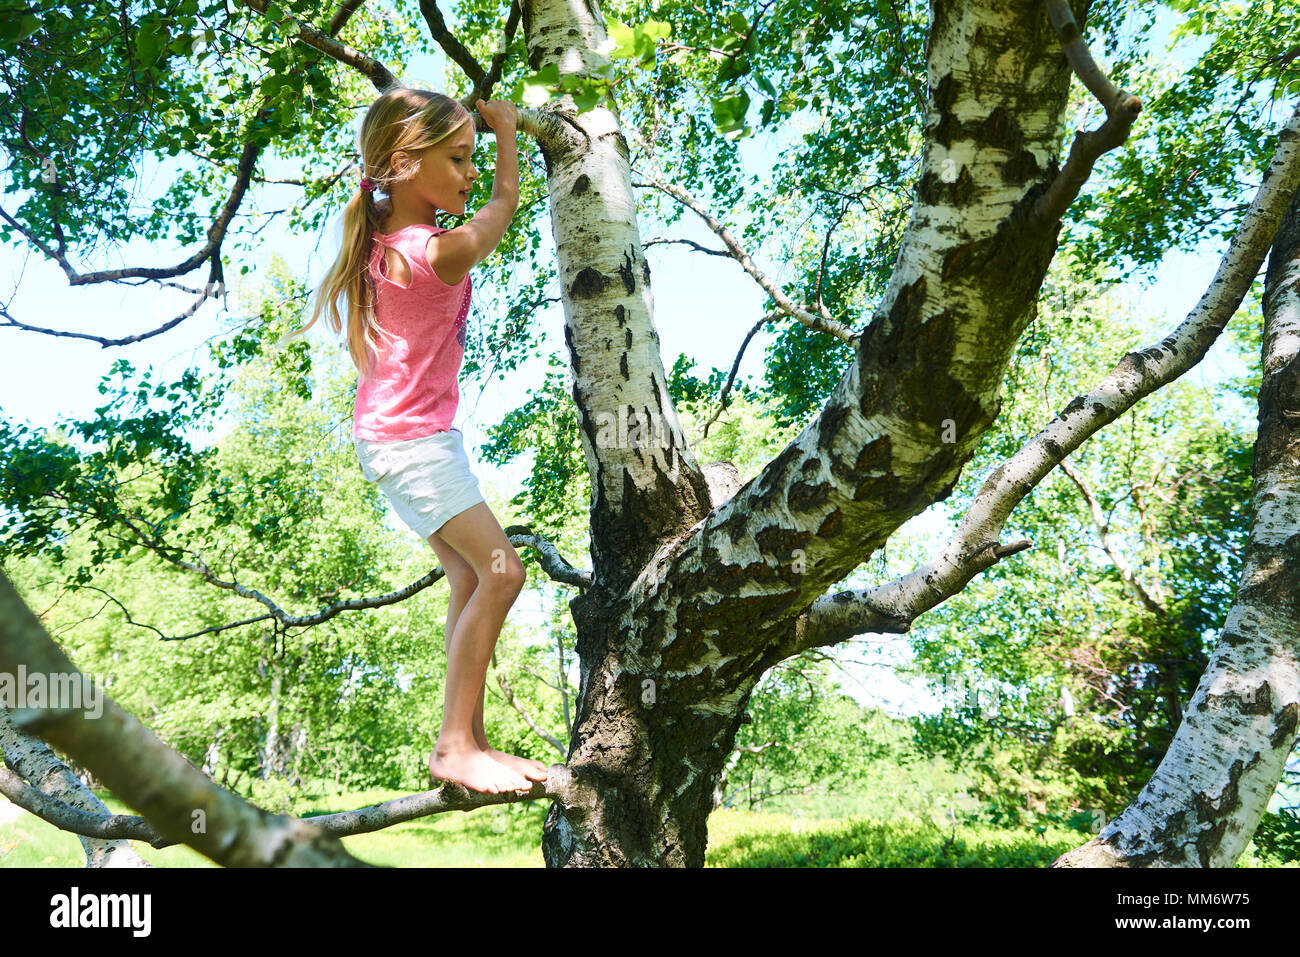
(412,388)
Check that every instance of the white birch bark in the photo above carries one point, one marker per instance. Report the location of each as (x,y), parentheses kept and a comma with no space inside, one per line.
(33,760)
(690,606)
(1207,796)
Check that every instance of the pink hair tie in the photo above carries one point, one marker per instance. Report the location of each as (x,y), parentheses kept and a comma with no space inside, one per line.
(368,186)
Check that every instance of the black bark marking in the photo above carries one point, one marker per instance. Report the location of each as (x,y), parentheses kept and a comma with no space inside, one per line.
(944,96)
(580,185)
(622,365)
(625,272)
(588,284)
(934,191)
(620,314)
(804,497)
(627,338)
(830,527)
(1021,168)
(577,361)
(832,418)
(1286,726)
(1001,131)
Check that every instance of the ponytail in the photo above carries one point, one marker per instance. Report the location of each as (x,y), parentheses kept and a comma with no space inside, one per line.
(350,277)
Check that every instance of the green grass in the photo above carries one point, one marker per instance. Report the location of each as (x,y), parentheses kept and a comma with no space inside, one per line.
(510,836)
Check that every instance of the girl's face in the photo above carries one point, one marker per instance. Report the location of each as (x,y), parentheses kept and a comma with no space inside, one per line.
(447,171)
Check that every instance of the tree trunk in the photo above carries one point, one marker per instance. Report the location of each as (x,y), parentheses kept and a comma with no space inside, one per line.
(690,603)
(1207,796)
(272,757)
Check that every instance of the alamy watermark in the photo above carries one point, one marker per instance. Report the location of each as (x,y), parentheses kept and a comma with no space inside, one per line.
(59,691)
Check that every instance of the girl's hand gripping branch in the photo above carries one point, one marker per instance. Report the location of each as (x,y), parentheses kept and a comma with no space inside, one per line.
(457,251)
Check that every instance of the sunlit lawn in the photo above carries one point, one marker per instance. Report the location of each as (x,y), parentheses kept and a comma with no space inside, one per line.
(510,836)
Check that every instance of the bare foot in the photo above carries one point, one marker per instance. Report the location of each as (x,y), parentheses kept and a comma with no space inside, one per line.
(533,770)
(475,769)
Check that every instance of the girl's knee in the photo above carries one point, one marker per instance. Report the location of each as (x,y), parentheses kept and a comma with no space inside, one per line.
(462,589)
(508,572)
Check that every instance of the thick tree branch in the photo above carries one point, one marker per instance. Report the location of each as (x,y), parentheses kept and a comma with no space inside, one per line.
(451,44)
(104,827)
(449,797)
(893,606)
(171,793)
(1122,108)
(1214,781)
(342,15)
(35,763)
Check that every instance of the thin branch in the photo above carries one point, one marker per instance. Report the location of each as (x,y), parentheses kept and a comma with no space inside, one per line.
(548,557)
(1117,558)
(731,376)
(214,289)
(821,323)
(484,89)
(1122,108)
(211,249)
(528,718)
(686,242)
(375,71)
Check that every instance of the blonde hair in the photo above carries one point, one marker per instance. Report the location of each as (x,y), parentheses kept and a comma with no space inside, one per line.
(401,119)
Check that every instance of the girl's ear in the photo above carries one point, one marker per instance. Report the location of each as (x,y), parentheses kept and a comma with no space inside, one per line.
(400,162)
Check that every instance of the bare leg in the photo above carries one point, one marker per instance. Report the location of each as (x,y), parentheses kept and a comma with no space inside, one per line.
(532,769)
(478,538)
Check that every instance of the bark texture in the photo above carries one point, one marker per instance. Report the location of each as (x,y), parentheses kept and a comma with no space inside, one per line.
(690,603)
(33,760)
(1207,796)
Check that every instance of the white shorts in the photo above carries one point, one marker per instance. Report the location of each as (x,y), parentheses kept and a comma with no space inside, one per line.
(428,480)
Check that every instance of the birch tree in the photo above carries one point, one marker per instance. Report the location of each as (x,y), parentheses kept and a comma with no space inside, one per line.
(697,587)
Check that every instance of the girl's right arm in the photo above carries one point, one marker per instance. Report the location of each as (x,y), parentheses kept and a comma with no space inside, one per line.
(461,249)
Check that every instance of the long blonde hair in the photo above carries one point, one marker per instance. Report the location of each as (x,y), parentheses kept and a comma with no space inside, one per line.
(401,119)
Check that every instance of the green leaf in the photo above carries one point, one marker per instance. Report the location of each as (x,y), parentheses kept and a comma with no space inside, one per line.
(729,112)
(623,36)
(587,99)
(18,28)
(537,88)
(738,22)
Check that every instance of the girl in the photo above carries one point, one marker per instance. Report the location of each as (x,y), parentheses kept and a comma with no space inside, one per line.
(408,290)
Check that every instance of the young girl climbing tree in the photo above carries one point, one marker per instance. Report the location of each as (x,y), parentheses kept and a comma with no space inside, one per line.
(407,286)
